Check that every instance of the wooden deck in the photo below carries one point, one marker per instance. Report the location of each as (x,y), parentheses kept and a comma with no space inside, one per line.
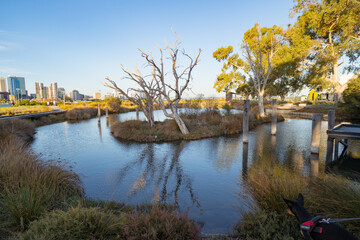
(340,134)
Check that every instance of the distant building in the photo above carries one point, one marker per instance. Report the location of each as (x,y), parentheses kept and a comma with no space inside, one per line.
(45,92)
(39,88)
(33,95)
(75,95)
(16,86)
(61,93)
(4,95)
(3,84)
(53,91)
(97,95)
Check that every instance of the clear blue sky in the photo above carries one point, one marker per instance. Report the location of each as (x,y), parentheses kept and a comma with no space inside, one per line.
(77,43)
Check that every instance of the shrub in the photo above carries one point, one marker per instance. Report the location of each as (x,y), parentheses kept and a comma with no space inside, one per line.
(76,223)
(160,224)
(81,113)
(114,104)
(267,226)
(351,97)
(227,108)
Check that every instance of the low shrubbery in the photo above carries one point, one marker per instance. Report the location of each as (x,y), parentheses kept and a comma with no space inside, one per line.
(81,113)
(201,124)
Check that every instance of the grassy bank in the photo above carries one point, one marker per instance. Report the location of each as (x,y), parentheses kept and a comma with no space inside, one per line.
(9,111)
(44,200)
(201,124)
(328,195)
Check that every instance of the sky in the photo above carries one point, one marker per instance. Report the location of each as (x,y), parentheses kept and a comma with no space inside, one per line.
(77,43)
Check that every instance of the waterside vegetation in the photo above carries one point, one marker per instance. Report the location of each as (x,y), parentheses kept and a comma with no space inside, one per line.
(44,199)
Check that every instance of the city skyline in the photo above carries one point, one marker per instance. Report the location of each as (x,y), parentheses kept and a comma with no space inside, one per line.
(70,43)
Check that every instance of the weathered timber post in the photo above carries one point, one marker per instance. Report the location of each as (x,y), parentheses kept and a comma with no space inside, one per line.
(316,131)
(246,113)
(314,160)
(336,152)
(330,141)
(245,160)
(99,112)
(137,113)
(107,112)
(273,150)
(274,118)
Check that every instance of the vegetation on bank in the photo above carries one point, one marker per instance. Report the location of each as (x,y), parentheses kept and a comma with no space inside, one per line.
(9,111)
(201,124)
(328,195)
(44,200)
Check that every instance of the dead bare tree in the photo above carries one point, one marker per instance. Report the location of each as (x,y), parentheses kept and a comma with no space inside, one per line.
(148,87)
(171,94)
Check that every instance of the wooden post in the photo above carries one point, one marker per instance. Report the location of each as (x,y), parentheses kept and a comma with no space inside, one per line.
(137,113)
(99,112)
(274,118)
(330,141)
(107,112)
(245,160)
(246,113)
(316,131)
(314,160)
(336,152)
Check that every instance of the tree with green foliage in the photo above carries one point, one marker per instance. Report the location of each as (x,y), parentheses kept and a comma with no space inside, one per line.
(333,26)
(271,63)
(351,97)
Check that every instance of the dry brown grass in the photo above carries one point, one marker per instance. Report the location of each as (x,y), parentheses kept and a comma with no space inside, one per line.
(7,111)
(204,124)
(81,113)
(24,129)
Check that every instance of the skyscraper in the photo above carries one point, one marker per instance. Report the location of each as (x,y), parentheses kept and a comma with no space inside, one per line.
(54,91)
(39,90)
(61,93)
(16,86)
(2,85)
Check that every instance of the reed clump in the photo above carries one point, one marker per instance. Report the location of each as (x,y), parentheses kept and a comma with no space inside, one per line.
(81,113)
(328,195)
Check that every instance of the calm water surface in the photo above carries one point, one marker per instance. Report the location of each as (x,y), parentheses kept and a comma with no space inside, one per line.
(201,176)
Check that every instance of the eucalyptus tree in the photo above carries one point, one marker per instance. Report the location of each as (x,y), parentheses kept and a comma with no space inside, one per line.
(262,50)
(334,28)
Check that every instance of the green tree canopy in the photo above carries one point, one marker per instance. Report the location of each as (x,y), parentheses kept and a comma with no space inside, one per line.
(334,28)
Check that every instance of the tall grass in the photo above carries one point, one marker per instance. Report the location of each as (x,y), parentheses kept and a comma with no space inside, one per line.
(24,129)
(7,111)
(328,195)
(30,186)
(81,113)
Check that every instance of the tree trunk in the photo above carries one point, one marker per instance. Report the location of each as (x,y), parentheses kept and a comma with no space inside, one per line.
(336,83)
(181,124)
(261,103)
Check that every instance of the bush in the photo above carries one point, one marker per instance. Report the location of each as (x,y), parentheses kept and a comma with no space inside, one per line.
(351,97)
(81,113)
(267,226)
(76,223)
(227,108)
(160,224)
(114,104)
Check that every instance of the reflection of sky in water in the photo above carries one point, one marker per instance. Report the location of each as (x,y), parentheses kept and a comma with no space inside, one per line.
(202,176)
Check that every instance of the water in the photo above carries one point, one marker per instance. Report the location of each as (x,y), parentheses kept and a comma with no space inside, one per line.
(202,176)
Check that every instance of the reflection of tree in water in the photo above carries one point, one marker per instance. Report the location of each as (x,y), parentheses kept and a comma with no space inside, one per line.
(158,171)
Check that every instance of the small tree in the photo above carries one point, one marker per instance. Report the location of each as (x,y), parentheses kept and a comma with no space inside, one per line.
(147,87)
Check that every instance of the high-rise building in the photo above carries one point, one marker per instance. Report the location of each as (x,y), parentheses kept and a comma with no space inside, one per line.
(45,93)
(2,85)
(61,93)
(16,86)
(39,87)
(48,93)
(54,91)
(75,95)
